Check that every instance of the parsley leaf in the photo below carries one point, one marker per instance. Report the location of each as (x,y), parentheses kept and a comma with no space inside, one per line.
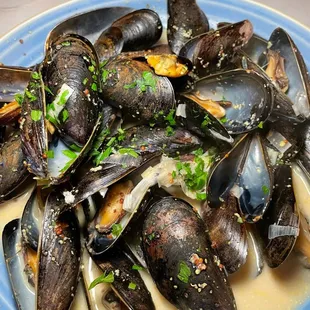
(69,154)
(116,229)
(104,278)
(128,151)
(65,115)
(49,154)
(184,272)
(169,131)
(36,115)
(170,117)
(19,98)
(137,267)
(265,189)
(132,286)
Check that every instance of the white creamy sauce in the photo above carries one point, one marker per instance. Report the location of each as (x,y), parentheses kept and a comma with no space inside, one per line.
(284,288)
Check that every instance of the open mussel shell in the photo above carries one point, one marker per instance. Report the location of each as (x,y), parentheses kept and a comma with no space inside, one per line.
(102,296)
(296,70)
(199,121)
(33,129)
(186,21)
(124,87)
(256,49)
(31,221)
(121,264)
(89,25)
(244,172)
(144,139)
(211,51)
(72,71)
(12,170)
(280,227)
(13,80)
(227,233)
(59,256)
(303,157)
(248,94)
(16,261)
(180,258)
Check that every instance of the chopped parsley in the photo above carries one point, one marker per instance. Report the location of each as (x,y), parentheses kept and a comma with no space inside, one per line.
(94,87)
(104,75)
(169,131)
(36,115)
(30,96)
(148,80)
(261,125)
(201,196)
(132,286)
(63,98)
(91,68)
(223,120)
(265,189)
(174,174)
(206,121)
(116,229)
(69,154)
(47,89)
(49,154)
(102,64)
(151,236)
(75,148)
(184,272)
(65,115)
(170,117)
(104,278)
(103,155)
(19,98)
(35,75)
(128,151)
(66,43)
(198,152)
(85,81)
(137,267)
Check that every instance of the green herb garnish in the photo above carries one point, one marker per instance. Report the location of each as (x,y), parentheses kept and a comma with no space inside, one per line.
(206,121)
(49,154)
(137,267)
(223,120)
(169,131)
(94,87)
(75,148)
(36,115)
(130,86)
(65,115)
(174,174)
(30,95)
(85,81)
(184,272)
(265,189)
(116,229)
(261,125)
(91,69)
(103,155)
(19,98)
(128,151)
(69,154)
(66,43)
(132,286)
(104,75)
(48,90)
(35,75)
(63,97)
(201,196)
(104,278)
(170,117)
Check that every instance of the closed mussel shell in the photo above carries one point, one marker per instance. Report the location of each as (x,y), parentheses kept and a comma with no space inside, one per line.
(180,259)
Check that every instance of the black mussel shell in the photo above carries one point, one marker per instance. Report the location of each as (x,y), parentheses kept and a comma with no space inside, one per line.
(12,169)
(244,172)
(140,29)
(133,87)
(144,139)
(127,283)
(256,48)
(34,134)
(72,71)
(14,253)
(211,51)
(199,121)
(280,227)
(59,256)
(227,233)
(247,95)
(13,80)
(89,25)
(186,21)
(296,70)
(181,260)
(303,157)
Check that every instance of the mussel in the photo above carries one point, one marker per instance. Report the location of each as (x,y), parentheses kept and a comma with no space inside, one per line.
(280,226)
(181,260)
(186,21)
(246,173)
(12,169)
(211,51)
(131,86)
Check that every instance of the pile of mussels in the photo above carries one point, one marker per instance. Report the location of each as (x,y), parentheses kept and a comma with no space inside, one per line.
(113,129)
